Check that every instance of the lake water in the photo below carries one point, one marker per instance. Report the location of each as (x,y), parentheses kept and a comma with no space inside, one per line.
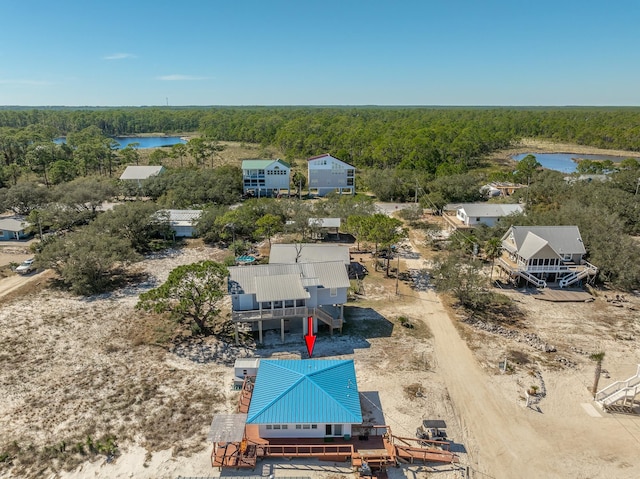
(563,161)
(144,141)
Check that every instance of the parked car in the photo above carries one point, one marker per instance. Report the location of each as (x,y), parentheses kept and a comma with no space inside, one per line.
(26,267)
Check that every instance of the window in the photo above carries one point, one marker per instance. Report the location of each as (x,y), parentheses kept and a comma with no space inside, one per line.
(276,426)
(305,426)
(285,426)
(298,426)
(314,426)
(269,426)
(333,292)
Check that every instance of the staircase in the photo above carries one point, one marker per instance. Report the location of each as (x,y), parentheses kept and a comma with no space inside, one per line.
(328,319)
(588,270)
(538,283)
(623,392)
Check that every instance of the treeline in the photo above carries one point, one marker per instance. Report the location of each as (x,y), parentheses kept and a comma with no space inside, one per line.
(433,140)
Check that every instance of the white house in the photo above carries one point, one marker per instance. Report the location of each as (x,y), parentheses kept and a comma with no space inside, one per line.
(473,214)
(545,254)
(266,177)
(182,222)
(327,174)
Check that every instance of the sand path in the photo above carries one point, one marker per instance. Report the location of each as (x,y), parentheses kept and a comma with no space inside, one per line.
(504,439)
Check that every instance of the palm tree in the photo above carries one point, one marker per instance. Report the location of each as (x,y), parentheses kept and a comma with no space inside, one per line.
(492,250)
(598,358)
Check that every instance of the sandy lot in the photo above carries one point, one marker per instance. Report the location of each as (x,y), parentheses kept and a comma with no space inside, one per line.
(75,371)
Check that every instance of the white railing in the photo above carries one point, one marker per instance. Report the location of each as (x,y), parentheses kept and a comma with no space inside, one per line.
(275,313)
(612,393)
(540,283)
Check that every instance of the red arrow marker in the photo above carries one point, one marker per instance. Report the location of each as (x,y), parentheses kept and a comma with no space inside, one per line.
(310,338)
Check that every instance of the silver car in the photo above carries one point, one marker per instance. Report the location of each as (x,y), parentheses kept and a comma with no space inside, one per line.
(26,267)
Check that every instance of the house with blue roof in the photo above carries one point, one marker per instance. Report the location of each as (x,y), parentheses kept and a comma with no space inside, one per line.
(309,398)
(266,177)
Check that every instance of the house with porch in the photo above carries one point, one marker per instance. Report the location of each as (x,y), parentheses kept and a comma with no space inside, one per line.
(13,228)
(266,177)
(327,174)
(282,296)
(542,255)
(474,214)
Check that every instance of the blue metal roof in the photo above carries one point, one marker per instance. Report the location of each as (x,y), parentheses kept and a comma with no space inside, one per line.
(305,391)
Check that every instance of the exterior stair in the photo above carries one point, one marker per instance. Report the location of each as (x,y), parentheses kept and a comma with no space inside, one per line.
(588,270)
(623,392)
(539,283)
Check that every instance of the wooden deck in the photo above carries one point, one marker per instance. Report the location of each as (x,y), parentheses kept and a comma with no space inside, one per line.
(563,296)
(378,450)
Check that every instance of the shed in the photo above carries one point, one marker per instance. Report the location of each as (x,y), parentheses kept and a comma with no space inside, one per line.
(242,368)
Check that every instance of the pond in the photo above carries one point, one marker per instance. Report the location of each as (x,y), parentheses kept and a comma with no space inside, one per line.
(143,141)
(564,161)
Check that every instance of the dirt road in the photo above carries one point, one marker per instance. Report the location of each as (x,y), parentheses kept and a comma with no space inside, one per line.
(504,439)
(14,282)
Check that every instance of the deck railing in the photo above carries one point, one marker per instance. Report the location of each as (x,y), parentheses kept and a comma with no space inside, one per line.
(612,389)
(274,313)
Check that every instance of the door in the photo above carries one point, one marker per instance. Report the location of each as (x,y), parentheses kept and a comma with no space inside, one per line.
(327,430)
(337,429)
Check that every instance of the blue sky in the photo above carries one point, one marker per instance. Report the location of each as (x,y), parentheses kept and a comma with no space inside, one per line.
(307,52)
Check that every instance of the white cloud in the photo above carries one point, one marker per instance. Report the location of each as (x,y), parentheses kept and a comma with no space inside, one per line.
(119,56)
(181,78)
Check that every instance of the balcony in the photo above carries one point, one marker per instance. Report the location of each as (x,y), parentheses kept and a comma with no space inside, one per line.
(273,313)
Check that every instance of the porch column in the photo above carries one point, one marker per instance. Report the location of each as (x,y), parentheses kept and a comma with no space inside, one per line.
(236,331)
(341,317)
(260,331)
(282,329)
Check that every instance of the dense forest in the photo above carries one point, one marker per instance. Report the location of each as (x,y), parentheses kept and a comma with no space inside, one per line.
(428,154)
(409,138)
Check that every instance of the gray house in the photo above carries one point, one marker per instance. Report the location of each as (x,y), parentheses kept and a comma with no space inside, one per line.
(282,296)
(327,174)
(13,228)
(545,254)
